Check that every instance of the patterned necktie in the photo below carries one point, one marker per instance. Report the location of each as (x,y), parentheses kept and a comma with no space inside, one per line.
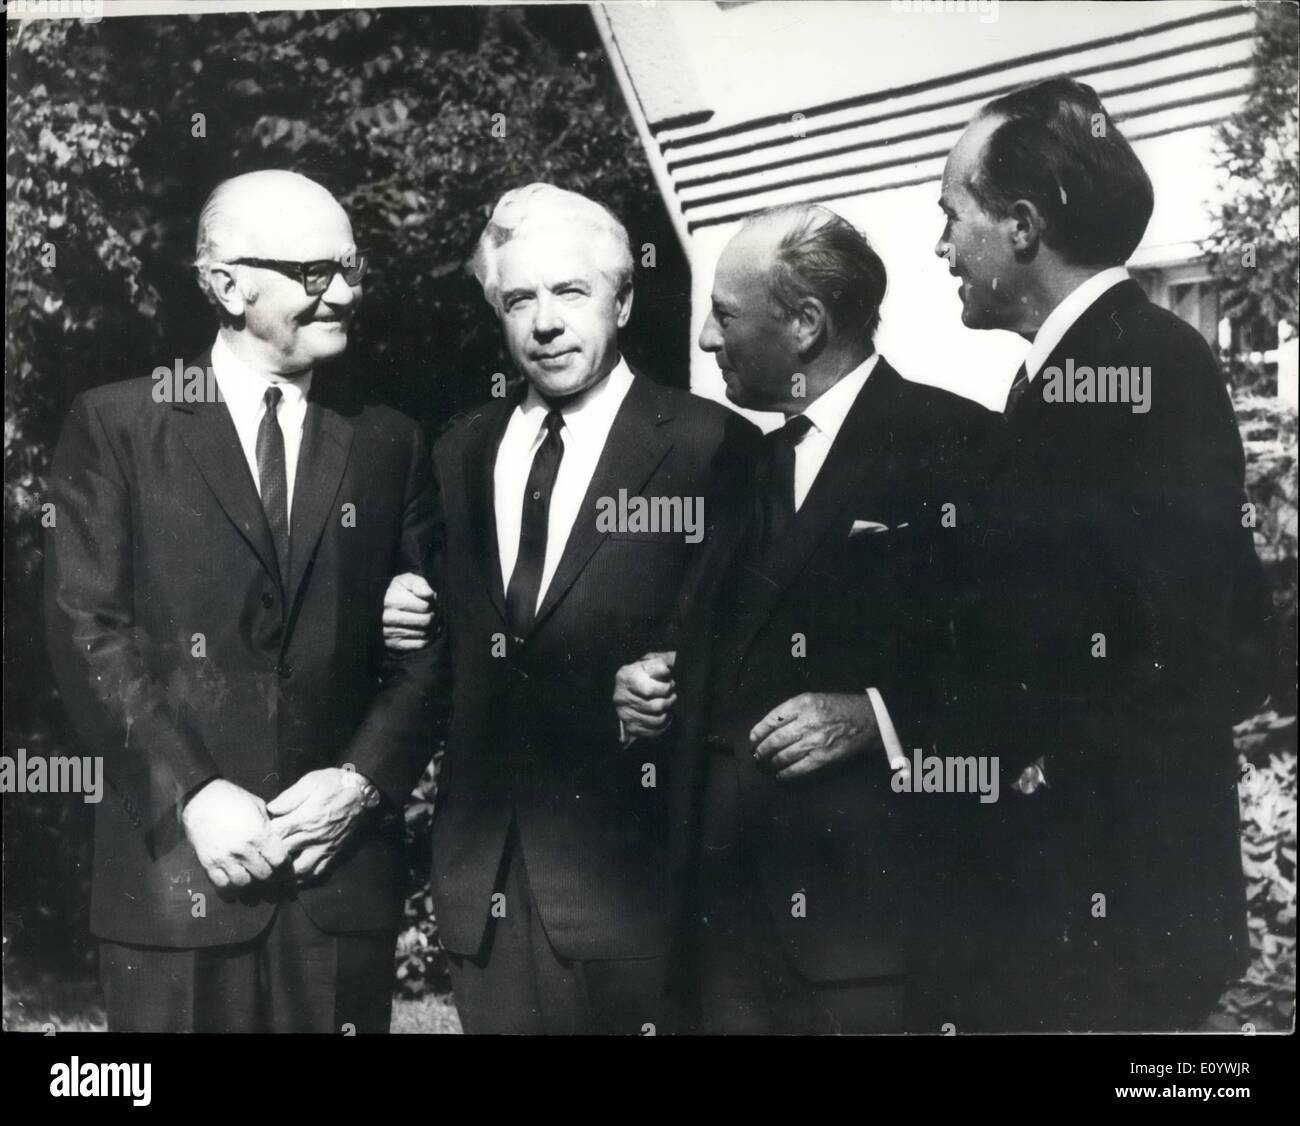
(1019,386)
(526,580)
(271,478)
(778,500)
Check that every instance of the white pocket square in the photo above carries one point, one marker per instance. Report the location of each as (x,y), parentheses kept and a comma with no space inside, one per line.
(870,528)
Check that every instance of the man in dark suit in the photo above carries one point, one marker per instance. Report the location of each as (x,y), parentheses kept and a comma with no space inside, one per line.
(225,532)
(1106,649)
(791,850)
(549,872)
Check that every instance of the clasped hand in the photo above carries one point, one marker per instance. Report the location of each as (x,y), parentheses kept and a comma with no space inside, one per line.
(239,838)
(804,734)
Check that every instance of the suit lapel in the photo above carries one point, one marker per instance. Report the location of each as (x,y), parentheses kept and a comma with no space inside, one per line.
(637,442)
(322,458)
(479,466)
(1029,424)
(860,452)
(209,434)
(1080,341)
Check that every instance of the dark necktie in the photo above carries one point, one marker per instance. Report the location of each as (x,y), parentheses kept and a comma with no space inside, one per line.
(778,499)
(1019,386)
(526,580)
(271,478)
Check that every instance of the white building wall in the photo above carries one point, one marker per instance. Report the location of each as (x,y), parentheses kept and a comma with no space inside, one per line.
(856,104)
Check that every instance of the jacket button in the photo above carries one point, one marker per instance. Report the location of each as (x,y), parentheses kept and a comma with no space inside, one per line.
(284,670)
(268,599)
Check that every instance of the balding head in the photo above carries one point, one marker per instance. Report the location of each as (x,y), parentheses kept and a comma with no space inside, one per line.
(255,233)
(269,214)
(808,251)
(796,300)
(558,213)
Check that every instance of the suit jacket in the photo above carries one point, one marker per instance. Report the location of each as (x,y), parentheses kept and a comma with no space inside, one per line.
(823,610)
(184,655)
(534,736)
(1114,630)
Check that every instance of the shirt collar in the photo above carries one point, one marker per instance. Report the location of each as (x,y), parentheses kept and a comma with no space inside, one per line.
(590,414)
(244,387)
(828,411)
(1060,319)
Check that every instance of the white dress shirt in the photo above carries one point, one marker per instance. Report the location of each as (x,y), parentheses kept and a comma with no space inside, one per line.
(243,389)
(827,414)
(587,422)
(1062,318)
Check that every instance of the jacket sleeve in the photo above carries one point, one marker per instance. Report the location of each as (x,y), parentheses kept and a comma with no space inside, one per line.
(99,655)
(396,739)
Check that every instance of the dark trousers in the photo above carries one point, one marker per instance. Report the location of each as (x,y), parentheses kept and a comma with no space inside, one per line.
(292,978)
(748,984)
(519,984)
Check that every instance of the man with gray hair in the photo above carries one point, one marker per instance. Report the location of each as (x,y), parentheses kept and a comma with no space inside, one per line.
(549,859)
(224,529)
(791,854)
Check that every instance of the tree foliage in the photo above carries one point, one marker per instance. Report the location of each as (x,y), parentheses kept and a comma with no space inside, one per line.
(417,120)
(1256,239)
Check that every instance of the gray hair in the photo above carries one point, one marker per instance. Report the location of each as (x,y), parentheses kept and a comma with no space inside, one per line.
(821,254)
(214,233)
(541,206)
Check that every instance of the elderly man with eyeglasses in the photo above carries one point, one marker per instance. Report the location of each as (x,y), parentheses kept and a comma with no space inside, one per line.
(215,578)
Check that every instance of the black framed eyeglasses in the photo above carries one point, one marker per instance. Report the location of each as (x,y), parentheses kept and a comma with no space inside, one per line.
(316,275)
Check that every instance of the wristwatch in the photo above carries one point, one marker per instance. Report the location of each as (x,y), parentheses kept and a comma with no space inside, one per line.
(369,791)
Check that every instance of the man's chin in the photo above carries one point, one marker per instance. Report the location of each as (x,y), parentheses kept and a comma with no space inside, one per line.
(558,384)
(329,343)
(734,389)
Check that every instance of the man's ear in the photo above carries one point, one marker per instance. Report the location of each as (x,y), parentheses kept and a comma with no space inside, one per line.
(624,300)
(225,288)
(1027,227)
(809,324)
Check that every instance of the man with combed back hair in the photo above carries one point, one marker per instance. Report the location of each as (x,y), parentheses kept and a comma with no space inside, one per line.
(549,863)
(1119,623)
(224,531)
(819,597)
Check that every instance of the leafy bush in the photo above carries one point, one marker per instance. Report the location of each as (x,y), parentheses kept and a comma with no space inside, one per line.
(1267,750)
(417,120)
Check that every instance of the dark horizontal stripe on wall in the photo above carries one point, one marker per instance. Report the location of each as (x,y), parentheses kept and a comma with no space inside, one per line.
(682,120)
(916,135)
(949,103)
(735,216)
(879,166)
(951,79)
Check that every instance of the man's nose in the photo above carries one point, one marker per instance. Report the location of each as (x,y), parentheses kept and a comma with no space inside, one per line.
(547,321)
(710,337)
(338,292)
(943,249)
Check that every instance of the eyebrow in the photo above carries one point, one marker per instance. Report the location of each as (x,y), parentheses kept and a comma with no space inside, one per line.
(582,282)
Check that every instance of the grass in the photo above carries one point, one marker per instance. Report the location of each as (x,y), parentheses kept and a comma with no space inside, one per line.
(46,1003)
